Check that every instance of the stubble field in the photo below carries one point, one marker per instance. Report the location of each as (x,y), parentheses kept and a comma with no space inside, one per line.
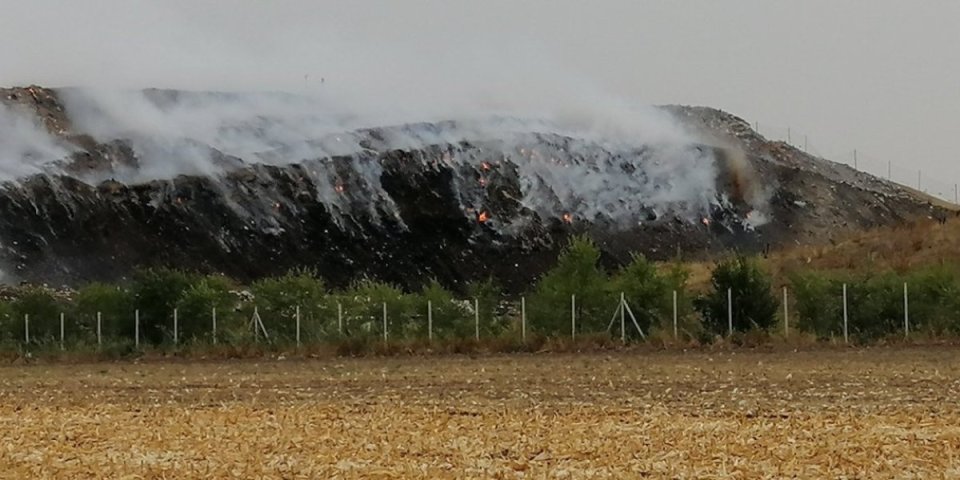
(879,413)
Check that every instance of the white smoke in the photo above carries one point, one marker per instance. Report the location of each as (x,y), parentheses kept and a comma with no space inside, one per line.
(26,147)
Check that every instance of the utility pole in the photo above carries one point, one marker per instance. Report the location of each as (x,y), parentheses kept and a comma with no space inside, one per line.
(855,163)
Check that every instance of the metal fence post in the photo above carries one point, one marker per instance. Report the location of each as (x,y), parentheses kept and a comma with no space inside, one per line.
(339,318)
(906,311)
(136,328)
(786,315)
(176,332)
(523,319)
(430,320)
(99,330)
(213,318)
(26,328)
(730,312)
(298,325)
(573,317)
(846,336)
(384,322)
(476,318)
(676,331)
(61,331)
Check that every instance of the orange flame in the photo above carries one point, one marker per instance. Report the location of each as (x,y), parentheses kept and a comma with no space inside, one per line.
(568,218)
(483,217)
(706,221)
(339,188)
(485,165)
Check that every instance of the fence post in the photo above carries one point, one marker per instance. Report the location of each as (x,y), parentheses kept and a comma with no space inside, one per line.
(176,332)
(846,337)
(298,325)
(99,330)
(730,312)
(623,319)
(136,328)
(213,317)
(26,328)
(906,311)
(476,318)
(786,314)
(523,319)
(573,317)
(430,320)
(61,331)
(384,322)
(676,332)
(339,318)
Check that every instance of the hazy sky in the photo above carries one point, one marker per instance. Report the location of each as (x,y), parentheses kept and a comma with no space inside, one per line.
(879,76)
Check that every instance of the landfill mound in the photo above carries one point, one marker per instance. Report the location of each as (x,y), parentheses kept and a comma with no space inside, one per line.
(84,198)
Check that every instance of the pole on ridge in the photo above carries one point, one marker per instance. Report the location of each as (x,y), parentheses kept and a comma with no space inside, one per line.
(61,330)
(99,331)
(176,336)
(384,322)
(26,328)
(136,328)
(213,317)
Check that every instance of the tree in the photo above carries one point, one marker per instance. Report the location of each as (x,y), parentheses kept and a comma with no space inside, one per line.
(648,293)
(576,273)
(754,305)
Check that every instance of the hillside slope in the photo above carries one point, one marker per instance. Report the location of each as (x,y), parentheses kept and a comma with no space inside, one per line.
(451,200)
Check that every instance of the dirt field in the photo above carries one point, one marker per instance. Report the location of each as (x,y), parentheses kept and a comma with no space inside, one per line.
(879,413)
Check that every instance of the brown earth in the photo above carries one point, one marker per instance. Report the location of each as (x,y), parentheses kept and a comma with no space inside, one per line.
(877,413)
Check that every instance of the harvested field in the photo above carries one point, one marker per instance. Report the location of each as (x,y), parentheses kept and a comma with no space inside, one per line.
(878,413)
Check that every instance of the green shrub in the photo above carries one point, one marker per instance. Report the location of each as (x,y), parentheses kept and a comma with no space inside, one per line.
(754,305)
(44,310)
(576,273)
(278,298)
(195,309)
(363,309)
(487,294)
(156,292)
(817,303)
(115,305)
(451,318)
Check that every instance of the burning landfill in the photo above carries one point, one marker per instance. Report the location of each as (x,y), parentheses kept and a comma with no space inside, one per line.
(97,184)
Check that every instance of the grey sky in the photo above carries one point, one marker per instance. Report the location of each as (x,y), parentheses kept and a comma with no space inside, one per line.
(879,76)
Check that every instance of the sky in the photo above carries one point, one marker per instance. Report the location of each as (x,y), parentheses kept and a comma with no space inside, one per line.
(879,76)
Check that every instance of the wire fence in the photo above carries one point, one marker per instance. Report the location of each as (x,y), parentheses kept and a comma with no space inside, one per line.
(928,182)
(623,325)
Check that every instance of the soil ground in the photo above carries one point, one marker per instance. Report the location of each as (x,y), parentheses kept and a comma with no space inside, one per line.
(872,413)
